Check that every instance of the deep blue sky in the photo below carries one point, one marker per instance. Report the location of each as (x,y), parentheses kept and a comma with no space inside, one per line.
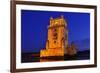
(34,27)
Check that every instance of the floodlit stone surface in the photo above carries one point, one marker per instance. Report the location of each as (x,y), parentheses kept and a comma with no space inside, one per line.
(57,41)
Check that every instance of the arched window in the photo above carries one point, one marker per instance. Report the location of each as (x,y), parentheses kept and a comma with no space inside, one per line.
(62,41)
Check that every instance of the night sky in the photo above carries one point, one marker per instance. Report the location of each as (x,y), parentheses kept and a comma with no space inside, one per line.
(34,28)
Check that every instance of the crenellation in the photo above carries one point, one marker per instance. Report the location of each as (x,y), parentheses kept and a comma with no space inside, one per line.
(57,41)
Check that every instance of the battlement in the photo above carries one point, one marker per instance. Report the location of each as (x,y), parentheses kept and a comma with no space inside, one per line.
(59,21)
(57,41)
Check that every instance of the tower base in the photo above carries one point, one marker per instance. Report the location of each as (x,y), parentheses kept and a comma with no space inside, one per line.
(52,52)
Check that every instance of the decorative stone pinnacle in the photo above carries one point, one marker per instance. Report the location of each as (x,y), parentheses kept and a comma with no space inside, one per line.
(62,16)
(51,18)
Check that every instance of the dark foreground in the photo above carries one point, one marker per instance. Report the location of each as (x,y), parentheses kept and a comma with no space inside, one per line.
(35,57)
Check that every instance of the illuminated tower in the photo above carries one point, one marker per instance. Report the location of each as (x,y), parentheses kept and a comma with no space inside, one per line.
(57,40)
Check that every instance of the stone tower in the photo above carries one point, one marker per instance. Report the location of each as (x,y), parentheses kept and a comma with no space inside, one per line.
(57,39)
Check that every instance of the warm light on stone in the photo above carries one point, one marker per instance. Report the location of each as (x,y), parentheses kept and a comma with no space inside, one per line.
(56,42)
